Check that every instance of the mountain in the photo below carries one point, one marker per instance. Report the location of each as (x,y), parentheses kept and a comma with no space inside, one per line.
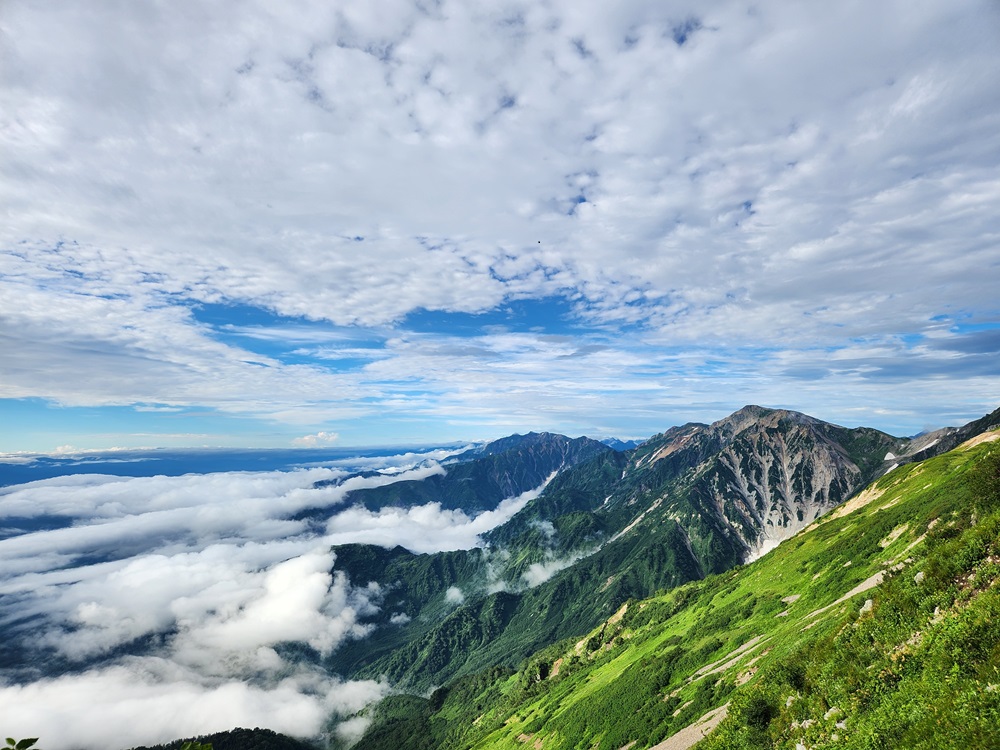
(239,739)
(936,442)
(613,611)
(694,501)
(875,626)
(480,478)
(621,445)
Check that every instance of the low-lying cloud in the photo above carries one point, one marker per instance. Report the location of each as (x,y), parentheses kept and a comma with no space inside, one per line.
(422,528)
(167,600)
(320,438)
(144,700)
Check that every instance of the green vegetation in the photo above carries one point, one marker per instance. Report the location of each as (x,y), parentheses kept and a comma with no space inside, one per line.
(504,468)
(920,669)
(236,739)
(800,651)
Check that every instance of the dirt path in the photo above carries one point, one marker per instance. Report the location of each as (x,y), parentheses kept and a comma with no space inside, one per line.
(694,733)
(727,661)
(868,583)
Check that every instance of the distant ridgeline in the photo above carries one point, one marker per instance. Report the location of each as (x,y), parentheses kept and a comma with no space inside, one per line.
(238,739)
(548,636)
(479,479)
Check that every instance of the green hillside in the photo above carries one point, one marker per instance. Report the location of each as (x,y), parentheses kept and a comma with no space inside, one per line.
(877,626)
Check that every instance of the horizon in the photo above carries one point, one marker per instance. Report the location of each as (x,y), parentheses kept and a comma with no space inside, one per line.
(267,227)
(69,451)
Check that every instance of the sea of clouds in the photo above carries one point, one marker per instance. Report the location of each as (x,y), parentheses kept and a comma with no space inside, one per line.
(165,600)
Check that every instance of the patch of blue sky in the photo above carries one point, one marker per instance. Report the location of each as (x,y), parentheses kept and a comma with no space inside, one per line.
(548,315)
(219,315)
(290,339)
(962,328)
(35,424)
(911,339)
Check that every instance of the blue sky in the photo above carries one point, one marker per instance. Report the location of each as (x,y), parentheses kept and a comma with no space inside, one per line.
(401,223)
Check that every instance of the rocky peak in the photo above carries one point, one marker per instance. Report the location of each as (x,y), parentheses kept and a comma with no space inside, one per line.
(764,473)
(752,416)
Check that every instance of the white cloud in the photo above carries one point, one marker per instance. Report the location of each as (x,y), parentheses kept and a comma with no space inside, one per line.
(295,600)
(149,700)
(320,438)
(423,528)
(787,179)
(454,595)
(353,729)
(201,578)
(539,572)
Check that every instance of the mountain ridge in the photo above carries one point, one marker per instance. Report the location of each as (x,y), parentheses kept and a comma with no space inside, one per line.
(693,501)
(874,628)
(479,479)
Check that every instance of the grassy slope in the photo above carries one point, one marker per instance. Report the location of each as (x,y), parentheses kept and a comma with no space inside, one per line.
(897,670)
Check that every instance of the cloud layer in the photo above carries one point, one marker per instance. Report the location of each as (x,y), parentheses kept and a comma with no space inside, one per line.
(725,203)
(154,607)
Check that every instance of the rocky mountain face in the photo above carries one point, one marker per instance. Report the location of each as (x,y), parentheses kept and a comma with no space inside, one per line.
(696,500)
(764,473)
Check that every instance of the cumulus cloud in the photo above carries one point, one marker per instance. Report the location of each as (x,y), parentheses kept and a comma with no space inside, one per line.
(151,700)
(312,441)
(454,595)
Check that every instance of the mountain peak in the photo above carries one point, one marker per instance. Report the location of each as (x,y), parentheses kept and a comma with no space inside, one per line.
(752,415)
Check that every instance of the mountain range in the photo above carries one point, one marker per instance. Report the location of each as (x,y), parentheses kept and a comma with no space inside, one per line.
(640,594)
(694,501)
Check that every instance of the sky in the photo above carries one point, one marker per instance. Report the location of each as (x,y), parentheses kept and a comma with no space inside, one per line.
(166,599)
(308,223)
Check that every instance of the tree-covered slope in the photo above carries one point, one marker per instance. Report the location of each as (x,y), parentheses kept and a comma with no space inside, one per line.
(479,479)
(239,739)
(877,626)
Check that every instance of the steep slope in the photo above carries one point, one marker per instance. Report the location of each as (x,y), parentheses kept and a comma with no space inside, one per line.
(767,473)
(696,500)
(876,626)
(479,479)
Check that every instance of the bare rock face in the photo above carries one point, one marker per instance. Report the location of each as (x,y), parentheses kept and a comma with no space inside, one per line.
(778,472)
(763,474)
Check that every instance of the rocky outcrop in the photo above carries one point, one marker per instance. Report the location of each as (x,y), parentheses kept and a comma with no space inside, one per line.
(764,474)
